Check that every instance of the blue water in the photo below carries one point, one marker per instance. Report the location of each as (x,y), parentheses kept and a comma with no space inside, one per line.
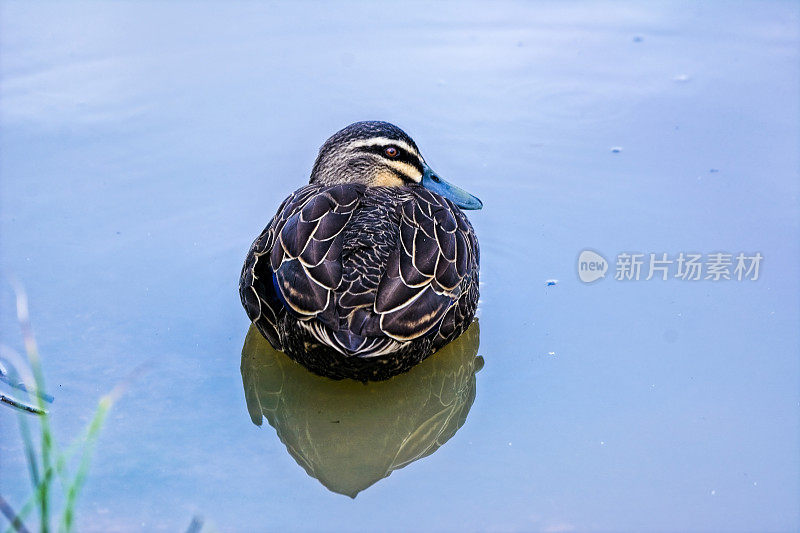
(144,145)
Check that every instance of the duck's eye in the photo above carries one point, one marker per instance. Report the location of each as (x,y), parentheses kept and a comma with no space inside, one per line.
(391,151)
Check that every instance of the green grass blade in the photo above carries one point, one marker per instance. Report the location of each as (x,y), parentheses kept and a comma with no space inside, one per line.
(32,351)
(50,461)
(17,372)
(74,489)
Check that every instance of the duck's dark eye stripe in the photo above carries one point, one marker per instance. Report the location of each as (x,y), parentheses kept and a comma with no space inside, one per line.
(413,161)
(399,174)
(379,149)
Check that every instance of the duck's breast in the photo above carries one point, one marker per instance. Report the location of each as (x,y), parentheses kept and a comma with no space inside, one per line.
(371,235)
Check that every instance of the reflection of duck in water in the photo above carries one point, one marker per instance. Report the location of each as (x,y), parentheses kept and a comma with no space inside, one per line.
(348,435)
(369,268)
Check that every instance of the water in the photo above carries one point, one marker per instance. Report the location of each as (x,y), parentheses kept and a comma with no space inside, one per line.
(145,145)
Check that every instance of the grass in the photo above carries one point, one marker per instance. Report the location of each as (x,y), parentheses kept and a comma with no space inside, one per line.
(49,466)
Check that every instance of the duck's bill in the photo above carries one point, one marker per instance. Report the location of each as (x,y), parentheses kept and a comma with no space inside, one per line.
(457,195)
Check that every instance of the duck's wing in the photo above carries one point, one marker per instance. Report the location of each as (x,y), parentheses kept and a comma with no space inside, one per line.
(427,273)
(295,264)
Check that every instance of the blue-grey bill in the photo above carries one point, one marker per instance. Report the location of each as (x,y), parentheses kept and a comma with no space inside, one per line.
(457,195)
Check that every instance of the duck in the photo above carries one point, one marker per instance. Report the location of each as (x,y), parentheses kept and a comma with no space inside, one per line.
(371,267)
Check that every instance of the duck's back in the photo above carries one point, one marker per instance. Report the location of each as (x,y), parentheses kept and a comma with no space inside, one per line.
(369,238)
(362,282)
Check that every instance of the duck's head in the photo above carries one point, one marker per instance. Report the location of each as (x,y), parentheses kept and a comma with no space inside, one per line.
(379,154)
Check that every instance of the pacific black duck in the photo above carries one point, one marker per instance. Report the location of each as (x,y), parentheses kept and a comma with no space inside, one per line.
(369,268)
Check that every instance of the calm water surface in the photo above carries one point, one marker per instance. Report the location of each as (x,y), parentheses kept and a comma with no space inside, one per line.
(145,145)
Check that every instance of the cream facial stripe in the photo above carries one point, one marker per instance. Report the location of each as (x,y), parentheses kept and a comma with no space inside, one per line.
(384,141)
(411,171)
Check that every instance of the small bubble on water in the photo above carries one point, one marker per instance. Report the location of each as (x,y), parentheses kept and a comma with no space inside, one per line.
(616,149)
(713,170)
(681,78)
(638,38)
(551,282)
(713,492)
